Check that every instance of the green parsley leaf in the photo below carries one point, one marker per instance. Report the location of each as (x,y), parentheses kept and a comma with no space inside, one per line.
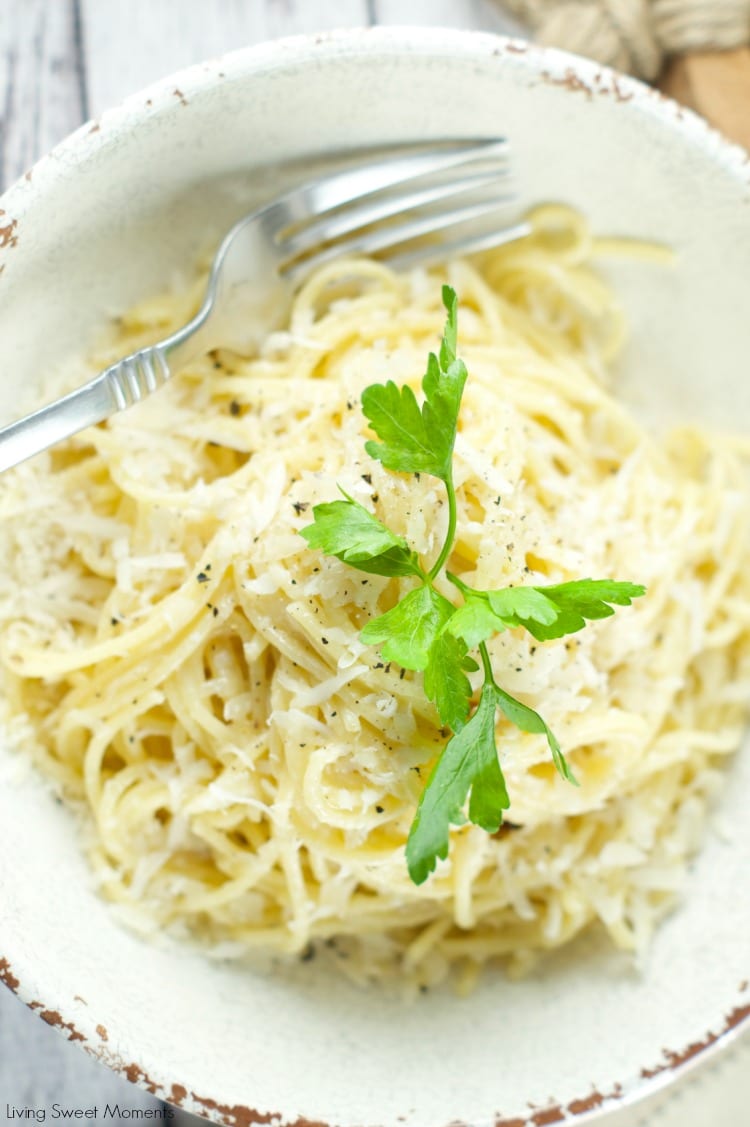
(529,721)
(518,605)
(346,530)
(415,440)
(475,621)
(468,762)
(489,794)
(445,680)
(551,612)
(546,612)
(450,332)
(395,417)
(410,628)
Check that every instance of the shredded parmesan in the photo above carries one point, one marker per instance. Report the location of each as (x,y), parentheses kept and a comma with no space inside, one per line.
(177,658)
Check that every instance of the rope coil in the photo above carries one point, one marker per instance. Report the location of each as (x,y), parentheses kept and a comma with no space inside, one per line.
(636,35)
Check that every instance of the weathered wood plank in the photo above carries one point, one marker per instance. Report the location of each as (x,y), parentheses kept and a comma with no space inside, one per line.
(128,46)
(39,1067)
(42,86)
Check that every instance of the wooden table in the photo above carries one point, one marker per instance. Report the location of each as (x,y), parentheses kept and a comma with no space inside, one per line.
(63,61)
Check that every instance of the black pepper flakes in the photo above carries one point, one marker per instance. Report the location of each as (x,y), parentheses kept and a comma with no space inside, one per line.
(234,408)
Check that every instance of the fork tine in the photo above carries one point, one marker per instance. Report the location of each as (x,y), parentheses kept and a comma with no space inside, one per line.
(382,239)
(472,244)
(331,192)
(328,228)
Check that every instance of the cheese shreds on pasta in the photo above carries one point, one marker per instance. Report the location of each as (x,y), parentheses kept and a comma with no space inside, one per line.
(190,673)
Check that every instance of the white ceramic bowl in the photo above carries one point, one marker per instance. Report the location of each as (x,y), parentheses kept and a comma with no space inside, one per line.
(105,219)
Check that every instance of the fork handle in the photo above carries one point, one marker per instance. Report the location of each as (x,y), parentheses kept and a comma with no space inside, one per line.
(114,389)
(82,408)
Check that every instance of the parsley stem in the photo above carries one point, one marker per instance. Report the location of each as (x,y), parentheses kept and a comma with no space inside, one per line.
(486,664)
(450,535)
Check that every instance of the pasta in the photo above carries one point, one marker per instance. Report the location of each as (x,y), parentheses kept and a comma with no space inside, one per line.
(190,673)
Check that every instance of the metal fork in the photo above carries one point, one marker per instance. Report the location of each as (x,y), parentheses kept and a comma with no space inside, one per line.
(385,207)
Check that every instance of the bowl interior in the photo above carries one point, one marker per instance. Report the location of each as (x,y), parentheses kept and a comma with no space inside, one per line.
(112,216)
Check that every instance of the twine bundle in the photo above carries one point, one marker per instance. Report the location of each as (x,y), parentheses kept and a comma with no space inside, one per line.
(636,35)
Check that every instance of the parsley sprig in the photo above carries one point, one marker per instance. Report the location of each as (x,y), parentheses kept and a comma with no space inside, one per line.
(427,632)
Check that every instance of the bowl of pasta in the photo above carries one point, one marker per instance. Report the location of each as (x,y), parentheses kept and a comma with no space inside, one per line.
(373,700)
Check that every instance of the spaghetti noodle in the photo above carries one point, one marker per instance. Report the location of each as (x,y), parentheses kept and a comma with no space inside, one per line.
(191,674)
